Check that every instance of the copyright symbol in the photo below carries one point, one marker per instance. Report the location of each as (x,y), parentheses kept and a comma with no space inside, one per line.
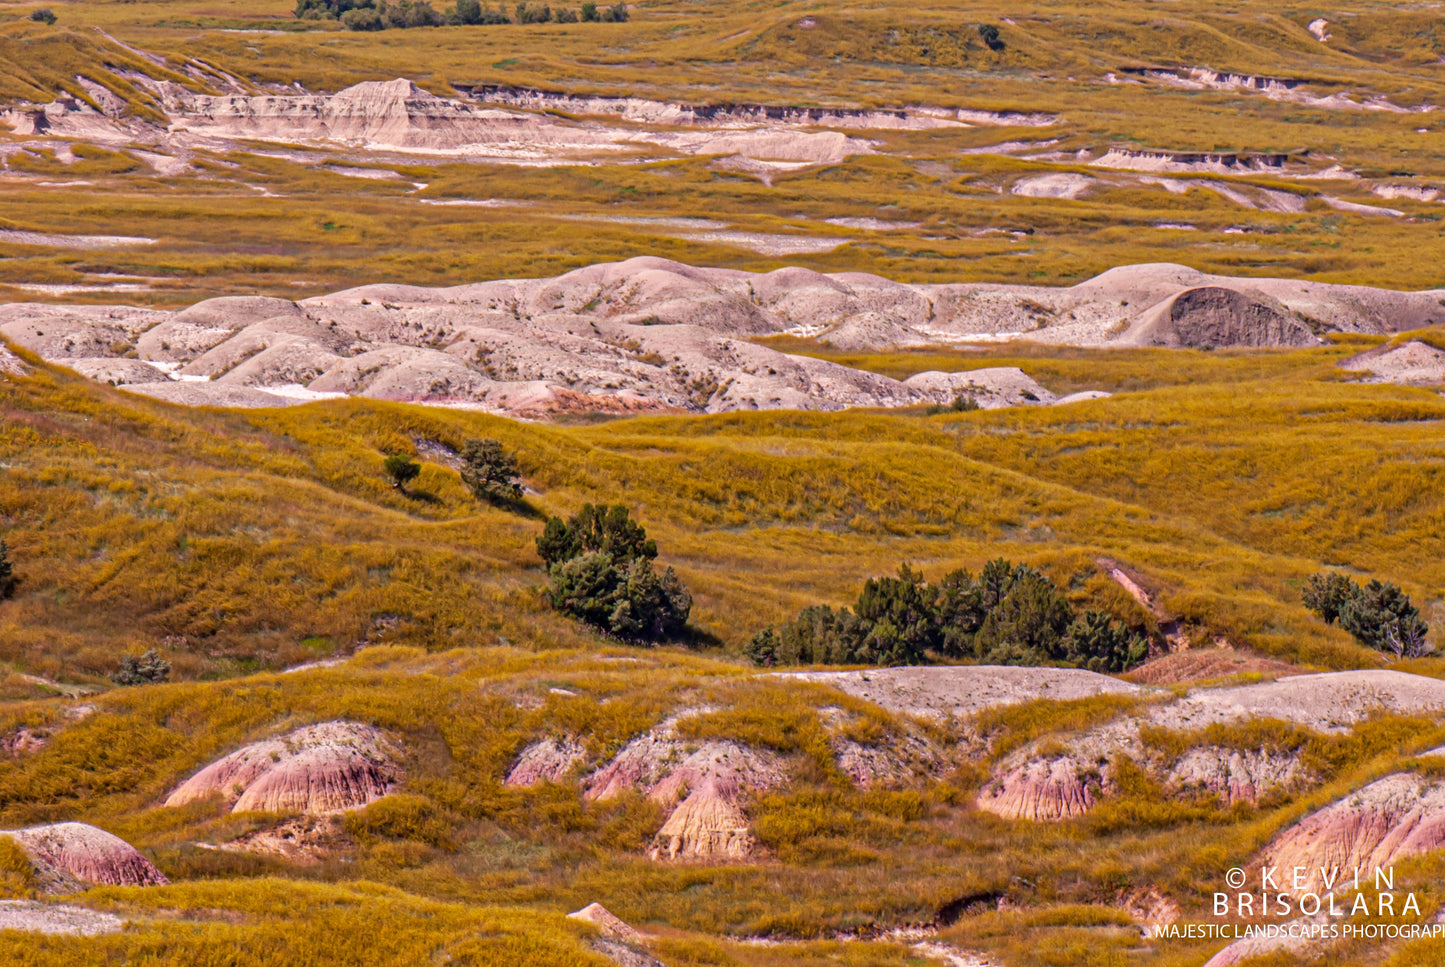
(1235,878)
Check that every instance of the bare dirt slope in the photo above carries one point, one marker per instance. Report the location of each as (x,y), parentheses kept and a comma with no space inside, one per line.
(652,334)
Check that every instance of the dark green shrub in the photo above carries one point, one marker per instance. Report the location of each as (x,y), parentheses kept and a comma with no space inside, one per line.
(364,18)
(488,470)
(900,619)
(148,669)
(1327,593)
(43,15)
(533,13)
(467,12)
(400,470)
(629,599)
(762,648)
(1011,614)
(1027,626)
(1096,642)
(600,563)
(1381,616)
(990,36)
(7,572)
(595,528)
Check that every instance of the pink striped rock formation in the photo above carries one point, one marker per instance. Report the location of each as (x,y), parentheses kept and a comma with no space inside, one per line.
(706,782)
(1399,816)
(320,769)
(545,761)
(1044,790)
(71,856)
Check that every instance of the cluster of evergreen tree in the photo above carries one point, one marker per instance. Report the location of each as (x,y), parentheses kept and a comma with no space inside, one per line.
(1010,614)
(600,563)
(401,14)
(1378,614)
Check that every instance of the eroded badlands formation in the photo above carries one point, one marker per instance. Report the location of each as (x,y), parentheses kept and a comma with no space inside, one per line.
(69,857)
(650,334)
(320,769)
(709,784)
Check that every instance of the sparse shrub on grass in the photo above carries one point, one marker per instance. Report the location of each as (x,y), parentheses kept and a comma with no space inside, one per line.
(1379,615)
(8,580)
(600,563)
(1009,615)
(989,33)
(962,403)
(147,669)
(400,470)
(44,15)
(489,471)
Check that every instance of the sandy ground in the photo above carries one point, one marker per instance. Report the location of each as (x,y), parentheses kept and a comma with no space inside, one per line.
(32,917)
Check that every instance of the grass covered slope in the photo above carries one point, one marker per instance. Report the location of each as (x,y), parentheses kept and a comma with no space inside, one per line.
(261,539)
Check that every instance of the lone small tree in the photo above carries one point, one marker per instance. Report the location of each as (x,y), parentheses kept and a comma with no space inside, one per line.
(489,471)
(148,669)
(44,15)
(7,572)
(600,563)
(989,34)
(401,470)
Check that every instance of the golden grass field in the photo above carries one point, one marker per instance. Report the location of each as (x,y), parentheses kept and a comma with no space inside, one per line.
(243,543)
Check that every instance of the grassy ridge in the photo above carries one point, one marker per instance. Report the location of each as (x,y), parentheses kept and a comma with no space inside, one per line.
(267,537)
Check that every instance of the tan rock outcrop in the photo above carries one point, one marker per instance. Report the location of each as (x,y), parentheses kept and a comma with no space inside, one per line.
(70,856)
(1409,363)
(304,841)
(1236,775)
(606,923)
(29,916)
(320,769)
(707,825)
(10,364)
(1396,817)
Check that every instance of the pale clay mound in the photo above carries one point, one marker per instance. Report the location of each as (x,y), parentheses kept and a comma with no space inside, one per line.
(399,116)
(955,691)
(606,923)
(68,857)
(303,841)
(32,917)
(1042,791)
(317,770)
(705,784)
(1411,363)
(1262,945)
(545,761)
(616,940)
(654,335)
(1040,785)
